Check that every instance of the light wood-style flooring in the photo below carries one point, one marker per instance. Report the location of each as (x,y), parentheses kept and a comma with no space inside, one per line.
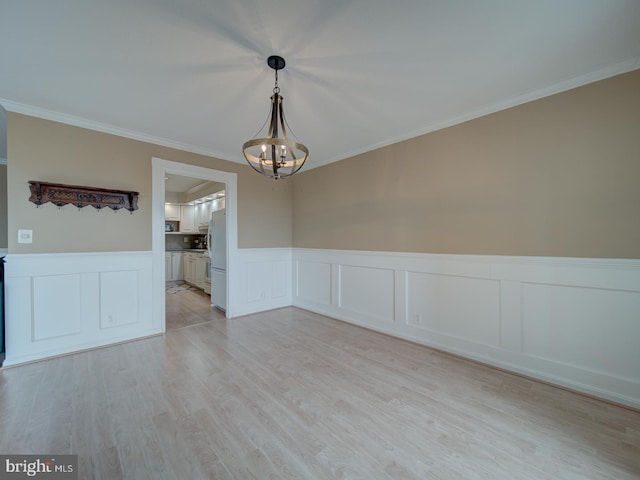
(189,307)
(289,394)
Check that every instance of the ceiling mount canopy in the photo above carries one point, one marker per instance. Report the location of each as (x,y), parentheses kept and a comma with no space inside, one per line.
(275,152)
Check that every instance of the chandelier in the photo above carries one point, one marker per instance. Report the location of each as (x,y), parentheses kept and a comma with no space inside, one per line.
(275,152)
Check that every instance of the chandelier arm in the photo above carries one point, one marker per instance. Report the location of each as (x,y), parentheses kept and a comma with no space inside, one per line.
(284,130)
(284,136)
(285,126)
(290,130)
(274,162)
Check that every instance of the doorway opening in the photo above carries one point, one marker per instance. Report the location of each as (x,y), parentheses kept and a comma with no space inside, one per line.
(192,189)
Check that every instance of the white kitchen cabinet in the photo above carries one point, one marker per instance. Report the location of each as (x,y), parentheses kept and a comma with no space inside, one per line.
(209,209)
(177,266)
(218,204)
(189,262)
(173,266)
(199,213)
(188,219)
(203,213)
(167,266)
(172,212)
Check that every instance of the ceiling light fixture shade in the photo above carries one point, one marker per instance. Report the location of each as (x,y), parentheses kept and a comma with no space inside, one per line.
(275,152)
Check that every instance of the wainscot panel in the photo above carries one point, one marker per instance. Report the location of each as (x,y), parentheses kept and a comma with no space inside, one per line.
(569,321)
(366,293)
(263,280)
(314,282)
(61,303)
(555,317)
(56,297)
(433,303)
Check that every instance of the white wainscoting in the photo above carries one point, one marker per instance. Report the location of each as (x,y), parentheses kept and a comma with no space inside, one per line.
(263,280)
(61,303)
(569,321)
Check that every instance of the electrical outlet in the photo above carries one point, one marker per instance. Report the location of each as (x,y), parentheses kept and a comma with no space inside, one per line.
(417,318)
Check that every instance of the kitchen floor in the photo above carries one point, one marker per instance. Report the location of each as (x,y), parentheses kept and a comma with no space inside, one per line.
(187,306)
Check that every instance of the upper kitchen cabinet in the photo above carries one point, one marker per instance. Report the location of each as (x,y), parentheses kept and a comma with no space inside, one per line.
(188,219)
(172,212)
(203,214)
(218,204)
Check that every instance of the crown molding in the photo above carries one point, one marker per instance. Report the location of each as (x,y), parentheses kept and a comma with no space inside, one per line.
(72,120)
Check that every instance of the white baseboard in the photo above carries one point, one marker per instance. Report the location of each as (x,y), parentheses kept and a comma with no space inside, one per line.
(569,321)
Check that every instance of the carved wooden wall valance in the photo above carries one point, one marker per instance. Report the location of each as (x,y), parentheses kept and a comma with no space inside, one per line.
(58,194)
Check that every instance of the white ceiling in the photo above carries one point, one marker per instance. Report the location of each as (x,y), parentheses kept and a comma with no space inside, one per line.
(360,74)
(179,184)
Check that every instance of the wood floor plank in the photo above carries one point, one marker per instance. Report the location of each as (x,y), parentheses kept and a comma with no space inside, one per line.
(292,394)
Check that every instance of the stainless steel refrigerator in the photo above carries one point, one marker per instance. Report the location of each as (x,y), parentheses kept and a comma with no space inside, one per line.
(217,250)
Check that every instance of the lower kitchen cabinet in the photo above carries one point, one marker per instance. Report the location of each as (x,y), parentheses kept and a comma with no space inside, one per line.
(167,266)
(189,262)
(173,266)
(177,267)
